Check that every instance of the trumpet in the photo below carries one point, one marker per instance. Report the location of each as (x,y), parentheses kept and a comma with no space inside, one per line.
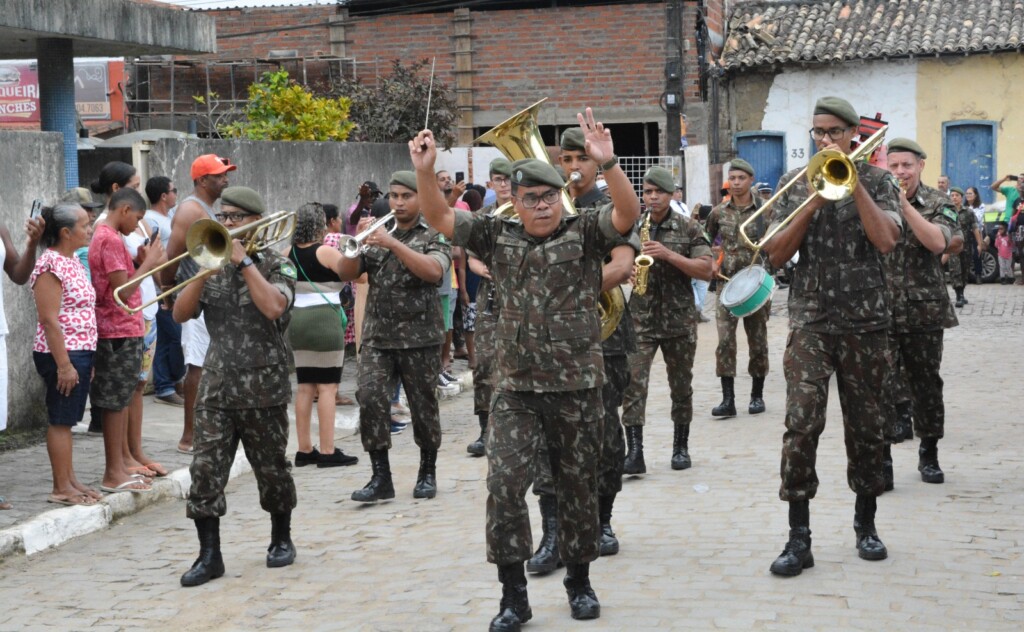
(209,244)
(352,247)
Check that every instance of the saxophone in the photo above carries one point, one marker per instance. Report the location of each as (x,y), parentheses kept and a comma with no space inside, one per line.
(643,262)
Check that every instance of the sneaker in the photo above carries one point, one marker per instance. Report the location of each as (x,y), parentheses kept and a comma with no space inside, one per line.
(397,427)
(448,376)
(171,400)
(336,458)
(442,380)
(303,459)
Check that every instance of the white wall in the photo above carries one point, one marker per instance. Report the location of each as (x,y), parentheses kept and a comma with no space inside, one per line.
(888,87)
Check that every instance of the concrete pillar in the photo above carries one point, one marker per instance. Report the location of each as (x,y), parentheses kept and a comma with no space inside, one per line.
(56,61)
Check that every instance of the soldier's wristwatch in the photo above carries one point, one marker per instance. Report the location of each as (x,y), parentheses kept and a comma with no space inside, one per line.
(244,263)
(614,160)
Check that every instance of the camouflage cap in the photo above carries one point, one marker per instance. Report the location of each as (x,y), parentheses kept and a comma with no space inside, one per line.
(82,197)
(739,164)
(244,198)
(531,172)
(572,139)
(957,190)
(406,179)
(501,166)
(905,144)
(661,178)
(837,107)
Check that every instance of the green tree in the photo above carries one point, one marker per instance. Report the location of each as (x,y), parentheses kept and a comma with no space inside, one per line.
(281,109)
(395,108)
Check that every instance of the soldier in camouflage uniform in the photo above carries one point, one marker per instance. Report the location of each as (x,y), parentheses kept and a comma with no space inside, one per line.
(402,331)
(487,315)
(921,307)
(244,391)
(547,268)
(588,198)
(725,220)
(839,312)
(666,317)
(961,265)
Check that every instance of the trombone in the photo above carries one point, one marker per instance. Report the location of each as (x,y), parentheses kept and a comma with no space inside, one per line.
(352,247)
(209,244)
(830,174)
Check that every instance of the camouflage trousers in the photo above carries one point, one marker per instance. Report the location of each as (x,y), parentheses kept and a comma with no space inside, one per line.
(678,354)
(860,364)
(483,384)
(379,372)
(960,267)
(896,391)
(920,358)
(756,327)
(613,442)
(571,424)
(263,433)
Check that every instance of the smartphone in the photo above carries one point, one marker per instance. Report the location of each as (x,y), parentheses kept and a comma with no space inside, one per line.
(37,208)
(152,236)
(1014,178)
(460,176)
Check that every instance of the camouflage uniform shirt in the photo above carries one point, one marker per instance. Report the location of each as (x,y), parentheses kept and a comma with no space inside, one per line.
(623,339)
(838,284)
(920,300)
(548,335)
(248,360)
(725,220)
(402,310)
(667,310)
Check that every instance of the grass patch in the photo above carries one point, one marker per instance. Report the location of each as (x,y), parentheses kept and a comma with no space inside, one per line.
(21,438)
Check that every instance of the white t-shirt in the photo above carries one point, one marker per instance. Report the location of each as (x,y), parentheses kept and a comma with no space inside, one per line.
(148,288)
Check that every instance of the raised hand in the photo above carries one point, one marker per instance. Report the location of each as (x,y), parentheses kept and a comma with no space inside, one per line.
(423,151)
(598,139)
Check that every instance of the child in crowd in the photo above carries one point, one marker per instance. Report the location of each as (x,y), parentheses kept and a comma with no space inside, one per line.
(1004,246)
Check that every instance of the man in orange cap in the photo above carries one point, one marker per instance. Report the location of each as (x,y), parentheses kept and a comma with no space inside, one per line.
(209,179)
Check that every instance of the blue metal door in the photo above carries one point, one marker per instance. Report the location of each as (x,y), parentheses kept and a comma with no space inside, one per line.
(766,152)
(969,155)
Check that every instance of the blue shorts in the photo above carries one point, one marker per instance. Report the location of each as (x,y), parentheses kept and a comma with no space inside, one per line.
(65,411)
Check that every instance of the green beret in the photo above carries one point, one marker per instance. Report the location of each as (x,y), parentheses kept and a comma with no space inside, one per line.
(905,144)
(739,164)
(405,178)
(531,172)
(837,107)
(501,166)
(572,139)
(661,178)
(957,190)
(243,198)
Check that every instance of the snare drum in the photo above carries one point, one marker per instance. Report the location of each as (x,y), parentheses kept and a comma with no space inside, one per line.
(747,291)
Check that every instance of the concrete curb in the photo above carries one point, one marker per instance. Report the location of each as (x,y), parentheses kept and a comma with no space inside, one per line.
(53,528)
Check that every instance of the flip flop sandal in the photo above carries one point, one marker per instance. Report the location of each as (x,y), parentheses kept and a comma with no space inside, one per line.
(125,487)
(83,500)
(157,469)
(189,452)
(4,504)
(142,471)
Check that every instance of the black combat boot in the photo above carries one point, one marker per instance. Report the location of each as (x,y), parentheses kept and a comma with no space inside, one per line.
(281,551)
(477,447)
(209,565)
(928,461)
(959,297)
(380,486)
(609,543)
(582,599)
(681,448)
(546,559)
(904,429)
(728,406)
(887,473)
(869,546)
(515,604)
(796,556)
(426,480)
(756,406)
(635,456)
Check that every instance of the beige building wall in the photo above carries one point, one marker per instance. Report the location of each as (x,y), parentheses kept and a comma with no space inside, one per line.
(978,87)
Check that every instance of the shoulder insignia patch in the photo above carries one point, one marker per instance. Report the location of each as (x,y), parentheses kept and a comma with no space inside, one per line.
(950,214)
(440,238)
(288,270)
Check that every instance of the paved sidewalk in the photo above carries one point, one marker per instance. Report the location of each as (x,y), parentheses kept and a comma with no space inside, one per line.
(696,545)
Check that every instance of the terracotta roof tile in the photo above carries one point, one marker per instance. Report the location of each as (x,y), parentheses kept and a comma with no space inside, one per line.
(765,33)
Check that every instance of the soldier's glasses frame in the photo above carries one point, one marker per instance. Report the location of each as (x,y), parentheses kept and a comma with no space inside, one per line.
(531,200)
(835,133)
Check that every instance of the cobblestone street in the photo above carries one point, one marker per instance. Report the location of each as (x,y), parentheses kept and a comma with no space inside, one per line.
(695,545)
